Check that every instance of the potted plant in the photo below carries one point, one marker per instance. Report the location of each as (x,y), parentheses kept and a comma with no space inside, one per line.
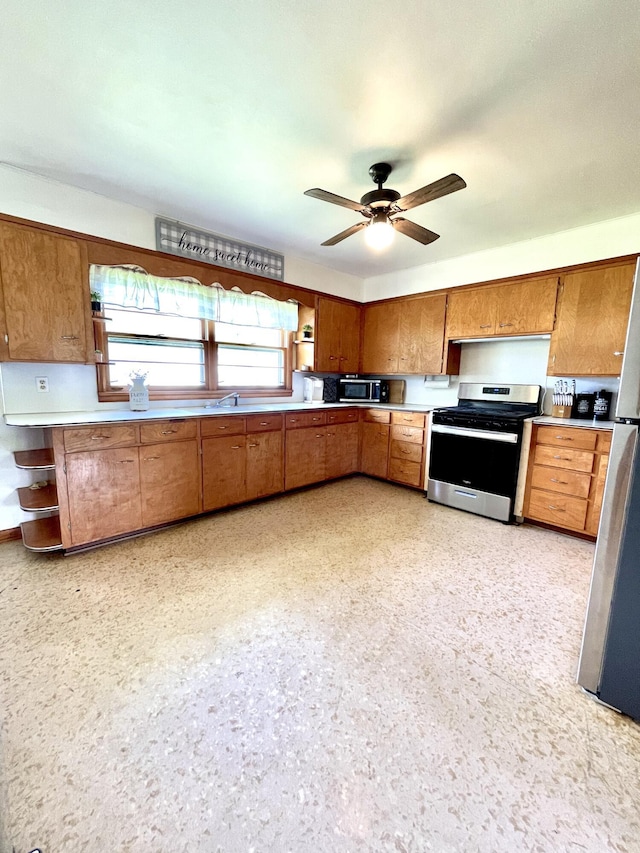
(96,301)
(307,330)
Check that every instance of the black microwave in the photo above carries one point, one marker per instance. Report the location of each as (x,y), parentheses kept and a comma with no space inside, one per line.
(355,390)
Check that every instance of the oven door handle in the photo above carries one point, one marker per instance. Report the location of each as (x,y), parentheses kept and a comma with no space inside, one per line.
(486,434)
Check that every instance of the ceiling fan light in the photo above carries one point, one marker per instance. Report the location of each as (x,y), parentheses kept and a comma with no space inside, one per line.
(379,234)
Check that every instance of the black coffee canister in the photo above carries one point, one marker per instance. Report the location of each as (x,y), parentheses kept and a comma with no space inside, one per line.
(583,406)
(602,405)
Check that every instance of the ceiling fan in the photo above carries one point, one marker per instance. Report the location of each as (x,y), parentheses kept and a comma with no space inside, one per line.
(380,208)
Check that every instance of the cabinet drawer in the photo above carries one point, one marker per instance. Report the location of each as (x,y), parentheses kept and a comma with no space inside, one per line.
(566,482)
(264,423)
(574,438)
(99,437)
(407,433)
(170,430)
(560,457)
(562,510)
(342,416)
(306,419)
(405,472)
(377,416)
(406,450)
(415,419)
(223,425)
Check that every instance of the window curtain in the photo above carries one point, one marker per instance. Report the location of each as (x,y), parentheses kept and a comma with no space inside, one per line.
(133,287)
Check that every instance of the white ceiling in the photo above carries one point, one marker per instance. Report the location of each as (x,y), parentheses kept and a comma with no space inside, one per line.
(222,114)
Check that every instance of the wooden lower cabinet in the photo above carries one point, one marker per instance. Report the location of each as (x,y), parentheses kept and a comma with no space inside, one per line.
(169,481)
(565,482)
(224,461)
(341,450)
(374,444)
(103,494)
(305,456)
(239,468)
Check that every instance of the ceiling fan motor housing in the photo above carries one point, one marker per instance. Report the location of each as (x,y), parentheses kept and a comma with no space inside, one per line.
(379,198)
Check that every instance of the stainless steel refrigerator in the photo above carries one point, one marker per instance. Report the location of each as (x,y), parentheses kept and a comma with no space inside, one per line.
(610,658)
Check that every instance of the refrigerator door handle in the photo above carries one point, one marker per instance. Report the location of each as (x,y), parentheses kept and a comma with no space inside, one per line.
(605,562)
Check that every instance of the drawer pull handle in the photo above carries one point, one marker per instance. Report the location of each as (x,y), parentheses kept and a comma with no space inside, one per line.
(319,435)
(563,438)
(504,325)
(619,352)
(168,431)
(222,427)
(560,482)
(124,461)
(151,458)
(265,423)
(100,437)
(402,450)
(68,337)
(315,419)
(236,447)
(486,326)
(557,508)
(254,445)
(565,458)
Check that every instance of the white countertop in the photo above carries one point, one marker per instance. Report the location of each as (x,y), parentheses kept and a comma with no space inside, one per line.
(51,419)
(574,422)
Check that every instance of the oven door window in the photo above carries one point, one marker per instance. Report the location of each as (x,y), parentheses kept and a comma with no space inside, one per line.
(478,463)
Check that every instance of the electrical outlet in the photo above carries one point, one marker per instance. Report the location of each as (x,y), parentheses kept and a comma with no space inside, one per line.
(42,383)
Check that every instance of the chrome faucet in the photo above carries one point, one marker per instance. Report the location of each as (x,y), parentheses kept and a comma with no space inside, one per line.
(233,394)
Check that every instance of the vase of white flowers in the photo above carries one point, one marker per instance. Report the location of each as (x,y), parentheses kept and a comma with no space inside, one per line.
(138,391)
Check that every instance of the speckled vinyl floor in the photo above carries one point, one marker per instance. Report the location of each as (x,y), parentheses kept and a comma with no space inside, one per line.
(346,669)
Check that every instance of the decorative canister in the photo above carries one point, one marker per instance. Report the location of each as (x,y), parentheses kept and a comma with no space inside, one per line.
(138,393)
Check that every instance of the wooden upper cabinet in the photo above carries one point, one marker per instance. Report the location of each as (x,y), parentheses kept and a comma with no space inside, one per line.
(591,326)
(405,336)
(337,336)
(472,313)
(526,307)
(45,297)
(421,334)
(380,340)
(522,308)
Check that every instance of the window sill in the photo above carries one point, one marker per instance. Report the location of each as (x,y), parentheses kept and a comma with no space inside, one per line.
(176,394)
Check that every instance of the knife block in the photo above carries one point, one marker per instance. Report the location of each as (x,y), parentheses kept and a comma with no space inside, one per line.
(561,412)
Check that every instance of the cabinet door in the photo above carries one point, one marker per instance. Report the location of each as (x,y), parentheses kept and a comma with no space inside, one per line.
(380,340)
(421,334)
(103,488)
(527,307)
(375,449)
(169,481)
(341,450)
(223,471)
(337,336)
(265,464)
(46,296)
(304,455)
(472,313)
(591,327)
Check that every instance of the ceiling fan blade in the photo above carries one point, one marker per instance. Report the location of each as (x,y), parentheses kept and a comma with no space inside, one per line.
(323,195)
(344,234)
(416,232)
(451,184)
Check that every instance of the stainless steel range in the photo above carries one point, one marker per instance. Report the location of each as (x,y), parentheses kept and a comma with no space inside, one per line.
(476,461)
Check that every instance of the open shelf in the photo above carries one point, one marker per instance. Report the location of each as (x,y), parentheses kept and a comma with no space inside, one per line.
(43,534)
(34,459)
(38,500)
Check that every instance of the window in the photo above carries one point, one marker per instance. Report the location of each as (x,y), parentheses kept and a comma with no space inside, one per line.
(187,358)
